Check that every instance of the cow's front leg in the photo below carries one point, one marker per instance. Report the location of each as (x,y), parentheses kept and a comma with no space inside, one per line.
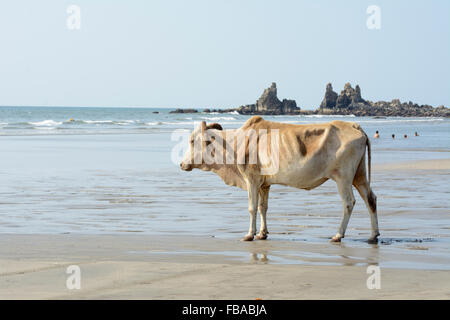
(262,208)
(252,209)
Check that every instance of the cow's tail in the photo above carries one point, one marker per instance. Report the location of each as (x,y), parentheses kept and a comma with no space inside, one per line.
(369,152)
(372,198)
(369,157)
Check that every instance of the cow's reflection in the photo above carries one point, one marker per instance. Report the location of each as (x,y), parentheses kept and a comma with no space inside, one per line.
(351,256)
(258,257)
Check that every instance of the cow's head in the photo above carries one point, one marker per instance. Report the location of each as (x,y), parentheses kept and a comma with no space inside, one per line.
(193,157)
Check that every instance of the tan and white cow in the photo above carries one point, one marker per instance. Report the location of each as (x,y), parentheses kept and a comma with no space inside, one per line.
(305,156)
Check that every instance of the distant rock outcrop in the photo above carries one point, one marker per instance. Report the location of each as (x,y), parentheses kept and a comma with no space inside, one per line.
(349,96)
(269,104)
(350,101)
(184,111)
(329,101)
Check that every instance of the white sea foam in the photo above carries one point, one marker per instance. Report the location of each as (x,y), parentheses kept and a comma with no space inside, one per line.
(97,121)
(46,123)
(328,116)
(218,118)
(401,120)
(118,122)
(124,122)
(181,122)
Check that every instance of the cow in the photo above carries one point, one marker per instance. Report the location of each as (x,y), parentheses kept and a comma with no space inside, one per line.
(306,157)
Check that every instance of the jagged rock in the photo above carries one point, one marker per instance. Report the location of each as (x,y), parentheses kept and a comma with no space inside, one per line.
(289,106)
(349,97)
(269,100)
(356,97)
(348,102)
(269,104)
(329,101)
(207,110)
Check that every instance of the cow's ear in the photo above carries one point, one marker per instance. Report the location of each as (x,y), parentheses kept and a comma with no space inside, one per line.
(214,126)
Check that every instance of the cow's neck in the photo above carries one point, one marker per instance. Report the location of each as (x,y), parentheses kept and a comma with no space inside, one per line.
(229,173)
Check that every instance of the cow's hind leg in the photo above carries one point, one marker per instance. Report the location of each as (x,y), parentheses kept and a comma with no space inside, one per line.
(370,199)
(253,190)
(348,200)
(262,208)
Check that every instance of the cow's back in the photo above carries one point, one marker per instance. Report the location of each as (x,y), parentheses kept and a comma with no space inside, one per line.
(309,154)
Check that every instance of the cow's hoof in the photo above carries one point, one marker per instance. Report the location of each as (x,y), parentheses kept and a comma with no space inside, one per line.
(336,239)
(261,237)
(373,240)
(248,237)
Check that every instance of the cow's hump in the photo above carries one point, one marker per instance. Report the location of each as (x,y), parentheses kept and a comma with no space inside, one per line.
(252,121)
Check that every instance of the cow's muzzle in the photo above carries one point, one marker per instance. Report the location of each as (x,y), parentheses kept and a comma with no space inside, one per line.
(185,167)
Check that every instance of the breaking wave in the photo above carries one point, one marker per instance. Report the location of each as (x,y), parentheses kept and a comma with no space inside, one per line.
(219,118)
(46,123)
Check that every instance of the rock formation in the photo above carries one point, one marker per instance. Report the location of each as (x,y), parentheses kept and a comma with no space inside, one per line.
(184,111)
(350,101)
(349,97)
(329,101)
(269,104)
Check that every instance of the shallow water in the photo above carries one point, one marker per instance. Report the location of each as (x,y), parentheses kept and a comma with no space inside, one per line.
(117,177)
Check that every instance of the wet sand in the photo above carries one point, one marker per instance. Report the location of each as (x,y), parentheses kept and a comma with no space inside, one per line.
(178,267)
(414,259)
(437,164)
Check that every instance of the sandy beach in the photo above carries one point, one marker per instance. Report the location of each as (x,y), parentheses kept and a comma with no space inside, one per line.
(143,267)
(146,148)
(438,164)
(139,228)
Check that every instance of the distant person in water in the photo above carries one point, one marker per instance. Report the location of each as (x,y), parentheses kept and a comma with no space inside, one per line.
(376,135)
(405,136)
(416,134)
(393,136)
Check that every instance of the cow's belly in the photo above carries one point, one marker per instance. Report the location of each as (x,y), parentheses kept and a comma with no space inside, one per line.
(298,178)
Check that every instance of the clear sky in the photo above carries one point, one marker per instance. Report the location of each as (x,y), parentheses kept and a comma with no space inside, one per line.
(220,53)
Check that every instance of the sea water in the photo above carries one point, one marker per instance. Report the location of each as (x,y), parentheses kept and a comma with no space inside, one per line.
(109,170)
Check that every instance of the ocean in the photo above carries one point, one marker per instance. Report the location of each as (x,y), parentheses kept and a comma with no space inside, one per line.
(153,123)
(109,171)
